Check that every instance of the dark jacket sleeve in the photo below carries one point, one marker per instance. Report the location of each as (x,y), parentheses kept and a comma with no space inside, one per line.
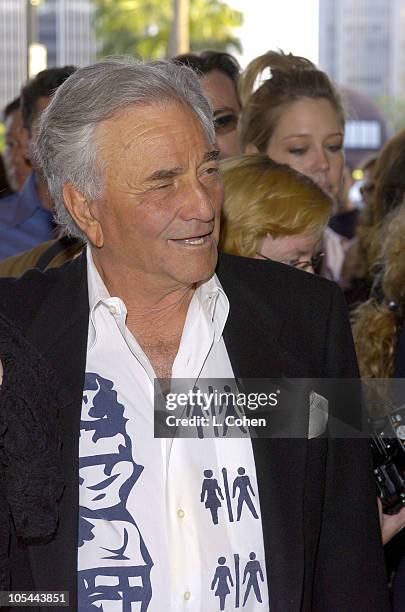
(31,481)
(349,573)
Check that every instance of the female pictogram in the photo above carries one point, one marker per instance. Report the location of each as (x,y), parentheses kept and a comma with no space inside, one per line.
(211,494)
(222,574)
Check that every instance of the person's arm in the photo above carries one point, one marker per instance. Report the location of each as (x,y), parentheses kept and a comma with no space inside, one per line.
(391,524)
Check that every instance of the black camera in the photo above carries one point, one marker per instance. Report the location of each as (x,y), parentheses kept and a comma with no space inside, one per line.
(388,448)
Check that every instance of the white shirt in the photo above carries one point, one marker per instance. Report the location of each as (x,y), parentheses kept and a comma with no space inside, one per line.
(164,524)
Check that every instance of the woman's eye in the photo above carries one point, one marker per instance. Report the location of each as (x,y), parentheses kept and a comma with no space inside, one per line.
(297,151)
(335,148)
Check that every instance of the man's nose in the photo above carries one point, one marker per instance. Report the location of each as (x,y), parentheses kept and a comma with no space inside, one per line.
(198,203)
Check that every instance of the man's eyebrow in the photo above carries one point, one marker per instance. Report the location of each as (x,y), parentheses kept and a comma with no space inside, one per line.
(210,156)
(165,173)
(169,173)
(224,109)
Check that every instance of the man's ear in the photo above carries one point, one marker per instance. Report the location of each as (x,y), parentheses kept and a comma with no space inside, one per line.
(25,141)
(251,149)
(80,210)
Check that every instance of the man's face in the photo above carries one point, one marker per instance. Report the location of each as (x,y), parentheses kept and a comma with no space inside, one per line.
(26,136)
(221,92)
(17,167)
(160,210)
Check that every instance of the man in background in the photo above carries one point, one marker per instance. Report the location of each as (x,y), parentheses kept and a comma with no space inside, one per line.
(16,165)
(26,219)
(218,73)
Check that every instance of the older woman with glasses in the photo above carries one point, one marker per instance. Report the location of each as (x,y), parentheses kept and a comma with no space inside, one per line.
(272,212)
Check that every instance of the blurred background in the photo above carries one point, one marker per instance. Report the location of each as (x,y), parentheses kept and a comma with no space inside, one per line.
(359,43)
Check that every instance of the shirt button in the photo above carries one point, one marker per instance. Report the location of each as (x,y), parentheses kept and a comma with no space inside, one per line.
(187,595)
(113,309)
(180,513)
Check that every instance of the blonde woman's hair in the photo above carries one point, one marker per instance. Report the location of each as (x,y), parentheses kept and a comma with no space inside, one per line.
(263,197)
(389,191)
(291,78)
(376,323)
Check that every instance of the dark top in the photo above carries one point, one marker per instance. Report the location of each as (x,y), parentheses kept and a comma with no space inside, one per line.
(320,525)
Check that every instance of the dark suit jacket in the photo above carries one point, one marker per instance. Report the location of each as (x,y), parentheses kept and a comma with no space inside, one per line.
(318,499)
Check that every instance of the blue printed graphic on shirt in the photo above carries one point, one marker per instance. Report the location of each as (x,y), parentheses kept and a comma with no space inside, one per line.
(224,580)
(120,563)
(217,414)
(212,494)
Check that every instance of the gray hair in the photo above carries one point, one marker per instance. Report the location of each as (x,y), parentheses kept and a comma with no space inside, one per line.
(65,146)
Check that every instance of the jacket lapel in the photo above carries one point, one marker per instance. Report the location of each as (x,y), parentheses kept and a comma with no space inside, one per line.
(253,339)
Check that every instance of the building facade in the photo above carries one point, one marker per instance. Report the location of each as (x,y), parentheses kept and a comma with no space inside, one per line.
(362,44)
(13,48)
(65,27)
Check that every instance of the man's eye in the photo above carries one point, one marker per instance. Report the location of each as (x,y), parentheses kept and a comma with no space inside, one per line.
(225,123)
(163,186)
(212,170)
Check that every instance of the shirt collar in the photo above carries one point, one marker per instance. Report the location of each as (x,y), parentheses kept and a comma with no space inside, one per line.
(98,294)
(209,296)
(214,303)
(96,287)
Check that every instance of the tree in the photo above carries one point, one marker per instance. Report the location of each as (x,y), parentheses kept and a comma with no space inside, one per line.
(142,27)
(179,40)
(394,111)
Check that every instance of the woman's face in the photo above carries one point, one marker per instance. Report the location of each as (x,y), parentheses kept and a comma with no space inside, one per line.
(309,138)
(298,251)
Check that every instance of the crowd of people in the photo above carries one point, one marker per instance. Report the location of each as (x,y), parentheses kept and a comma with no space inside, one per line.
(121,182)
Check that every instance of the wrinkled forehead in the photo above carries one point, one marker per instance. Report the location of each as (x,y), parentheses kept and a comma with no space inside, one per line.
(137,131)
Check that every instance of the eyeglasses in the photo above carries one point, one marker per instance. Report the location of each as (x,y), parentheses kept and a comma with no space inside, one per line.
(225,123)
(313,263)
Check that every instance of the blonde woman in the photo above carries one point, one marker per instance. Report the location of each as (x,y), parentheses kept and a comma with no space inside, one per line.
(292,112)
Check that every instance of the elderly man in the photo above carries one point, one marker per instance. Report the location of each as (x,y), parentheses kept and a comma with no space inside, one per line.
(120,519)
(218,73)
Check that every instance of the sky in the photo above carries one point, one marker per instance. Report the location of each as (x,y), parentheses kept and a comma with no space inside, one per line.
(291,25)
